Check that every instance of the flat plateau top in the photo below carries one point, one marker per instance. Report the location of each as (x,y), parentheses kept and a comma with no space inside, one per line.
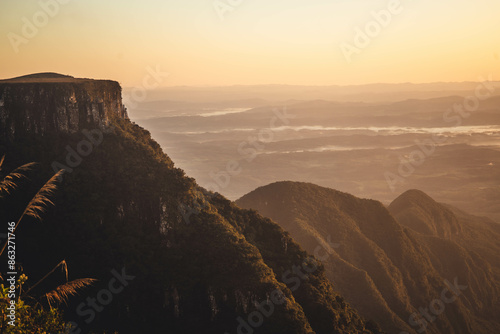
(47,77)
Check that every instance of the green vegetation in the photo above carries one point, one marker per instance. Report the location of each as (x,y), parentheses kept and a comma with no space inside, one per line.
(31,316)
(389,269)
(20,313)
(120,209)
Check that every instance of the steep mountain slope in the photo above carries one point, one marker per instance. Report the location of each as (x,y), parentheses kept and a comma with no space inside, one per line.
(191,261)
(421,213)
(480,234)
(471,246)
(387,271)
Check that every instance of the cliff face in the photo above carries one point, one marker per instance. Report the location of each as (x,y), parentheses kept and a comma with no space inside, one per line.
(38,105)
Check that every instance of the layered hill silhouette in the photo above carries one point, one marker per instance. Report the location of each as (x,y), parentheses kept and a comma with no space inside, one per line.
(397,264)
(193,261)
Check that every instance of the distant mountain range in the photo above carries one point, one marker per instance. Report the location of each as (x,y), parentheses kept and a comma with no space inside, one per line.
(323,261)
(394,263)
(196,262)
(371,93)
(364,149)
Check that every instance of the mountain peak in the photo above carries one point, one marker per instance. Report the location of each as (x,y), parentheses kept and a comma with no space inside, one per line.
(42,77)
(288,187)
(50,77)
(420,212)
(414,195)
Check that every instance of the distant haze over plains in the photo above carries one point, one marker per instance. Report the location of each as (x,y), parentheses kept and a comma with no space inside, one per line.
(344,137)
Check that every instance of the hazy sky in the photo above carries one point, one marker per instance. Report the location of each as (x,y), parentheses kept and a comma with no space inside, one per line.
(256,42)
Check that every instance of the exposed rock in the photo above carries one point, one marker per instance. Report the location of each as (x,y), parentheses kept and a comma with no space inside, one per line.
(49,103)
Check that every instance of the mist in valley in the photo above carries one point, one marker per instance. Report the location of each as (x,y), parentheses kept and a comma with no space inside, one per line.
(373,141)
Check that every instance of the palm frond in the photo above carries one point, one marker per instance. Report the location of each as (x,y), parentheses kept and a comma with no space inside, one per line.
(11,181)
(64,269)
(41,200)
(62,293)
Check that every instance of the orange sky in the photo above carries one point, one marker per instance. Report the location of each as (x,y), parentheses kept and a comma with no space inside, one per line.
(208,42)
